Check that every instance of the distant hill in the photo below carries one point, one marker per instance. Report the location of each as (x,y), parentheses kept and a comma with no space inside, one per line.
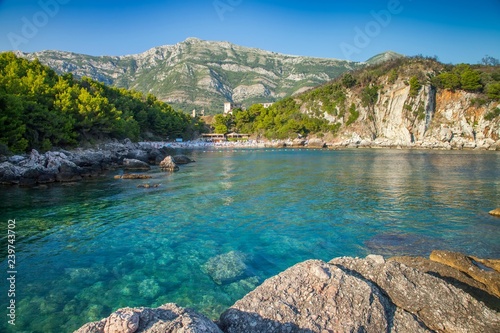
(205,74)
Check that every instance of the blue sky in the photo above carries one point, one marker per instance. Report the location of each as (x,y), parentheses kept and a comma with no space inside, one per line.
(455,31)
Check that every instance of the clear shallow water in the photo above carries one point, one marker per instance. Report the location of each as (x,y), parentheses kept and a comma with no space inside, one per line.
(86,249)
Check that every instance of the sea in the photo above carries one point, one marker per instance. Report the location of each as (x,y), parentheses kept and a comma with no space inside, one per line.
(82,250)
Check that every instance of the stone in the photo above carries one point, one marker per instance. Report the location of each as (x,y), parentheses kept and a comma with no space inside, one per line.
(436,304)
(138,154)
(132,176)
(316,143)
(226,268)
(454,277)
(132,164)
(314,296)
(495,212)
(9,174)
(168,164)
(182,159)
(122,321)
(490,278)
(167,318)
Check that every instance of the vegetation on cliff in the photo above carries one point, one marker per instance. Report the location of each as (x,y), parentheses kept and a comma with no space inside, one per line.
(40,109)
(364,96)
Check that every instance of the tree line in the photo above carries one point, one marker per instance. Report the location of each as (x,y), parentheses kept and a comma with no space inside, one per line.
(41,109)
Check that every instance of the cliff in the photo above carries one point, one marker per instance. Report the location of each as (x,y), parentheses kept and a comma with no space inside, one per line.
(450,292)
(383,108)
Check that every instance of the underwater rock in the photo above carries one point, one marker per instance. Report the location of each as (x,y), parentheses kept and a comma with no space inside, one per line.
(132,176)
(226,268)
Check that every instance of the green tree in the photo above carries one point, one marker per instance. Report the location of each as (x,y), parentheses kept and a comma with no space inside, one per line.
(415,86)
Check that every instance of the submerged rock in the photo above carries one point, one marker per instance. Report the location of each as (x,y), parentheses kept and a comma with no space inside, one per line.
(226,268)
(168,164)
(167,318)
(132,176)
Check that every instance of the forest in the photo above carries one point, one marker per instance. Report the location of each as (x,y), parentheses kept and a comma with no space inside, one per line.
(41,109)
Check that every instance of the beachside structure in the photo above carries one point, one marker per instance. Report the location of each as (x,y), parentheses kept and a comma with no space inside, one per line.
(267,105)
(213,137)
(238,136)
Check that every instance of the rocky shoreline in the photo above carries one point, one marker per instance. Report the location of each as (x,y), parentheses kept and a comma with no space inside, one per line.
(449,292)
(75,165)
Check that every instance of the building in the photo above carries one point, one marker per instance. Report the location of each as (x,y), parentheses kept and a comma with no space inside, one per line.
(195,114)
(229,107)
(267,105)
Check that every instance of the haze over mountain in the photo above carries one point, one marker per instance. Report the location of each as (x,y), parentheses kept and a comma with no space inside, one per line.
(197,74)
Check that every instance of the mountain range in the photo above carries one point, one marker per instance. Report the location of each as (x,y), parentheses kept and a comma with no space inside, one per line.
(198,74)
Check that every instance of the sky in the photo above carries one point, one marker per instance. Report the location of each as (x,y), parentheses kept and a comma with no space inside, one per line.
(454,31)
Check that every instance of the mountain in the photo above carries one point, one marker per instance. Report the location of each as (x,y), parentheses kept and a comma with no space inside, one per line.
(204,74)
(383,57)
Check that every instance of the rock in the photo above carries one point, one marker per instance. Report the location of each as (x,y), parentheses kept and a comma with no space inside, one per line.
(68,172)
(454,277)
(16,159)
(148,186)
(314,296)
(226,268)
(298,143)
(181,159)
(316,143)
(167,318)
(495,212)
(436,304)
(490,278)
(9,173)
(132,164)
(168,164)
(132,176)
(138,154)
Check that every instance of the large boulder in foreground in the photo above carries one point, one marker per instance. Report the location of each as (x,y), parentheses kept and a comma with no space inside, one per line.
(436,304)
(314,296)
(167,318)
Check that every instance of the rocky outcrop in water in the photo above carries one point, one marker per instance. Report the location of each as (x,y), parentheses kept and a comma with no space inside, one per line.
(403,294)
(168,164)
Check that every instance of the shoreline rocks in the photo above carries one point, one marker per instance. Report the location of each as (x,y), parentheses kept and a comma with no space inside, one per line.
(402,294)
(71,166)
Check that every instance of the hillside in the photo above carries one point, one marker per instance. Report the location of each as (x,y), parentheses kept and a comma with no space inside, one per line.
(402,102)
(40,109)
(204,74)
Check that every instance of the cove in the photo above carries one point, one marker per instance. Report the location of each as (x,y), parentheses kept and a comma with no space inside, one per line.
(85,249)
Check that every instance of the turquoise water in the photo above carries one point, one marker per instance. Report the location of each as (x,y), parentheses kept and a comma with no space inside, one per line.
(86,249)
